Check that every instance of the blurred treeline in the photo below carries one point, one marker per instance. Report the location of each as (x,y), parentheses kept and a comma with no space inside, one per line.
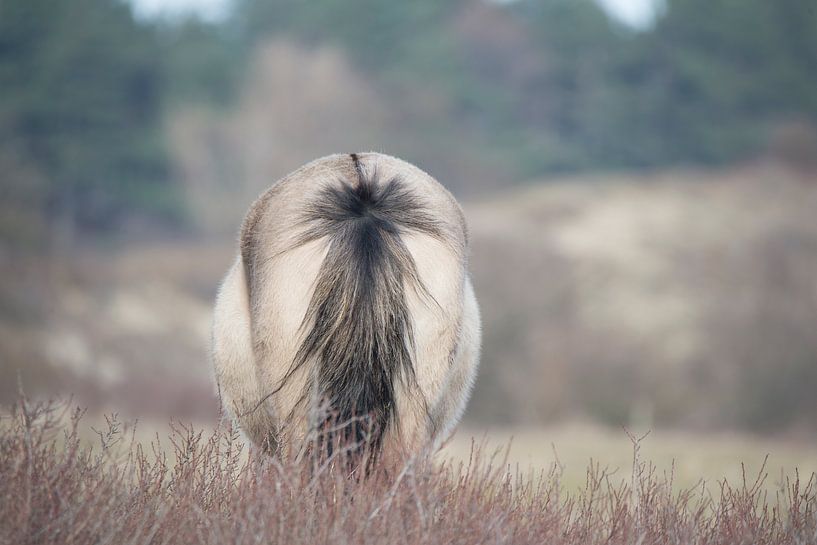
(483,94)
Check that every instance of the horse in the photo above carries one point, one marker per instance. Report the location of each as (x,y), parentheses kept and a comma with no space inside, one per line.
(349,312)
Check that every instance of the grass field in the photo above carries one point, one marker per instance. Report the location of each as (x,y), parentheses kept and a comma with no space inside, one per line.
(693,456)
(203,487)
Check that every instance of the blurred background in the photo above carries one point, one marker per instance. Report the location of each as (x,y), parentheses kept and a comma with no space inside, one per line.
(640,179)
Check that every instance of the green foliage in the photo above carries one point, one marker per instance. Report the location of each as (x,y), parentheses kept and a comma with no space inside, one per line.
(376,34)
(81,105)
(202,62)
(705,85)
(713,77)
(539,86)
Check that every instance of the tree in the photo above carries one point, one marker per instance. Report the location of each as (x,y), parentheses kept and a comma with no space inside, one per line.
(713,77)
(81,104)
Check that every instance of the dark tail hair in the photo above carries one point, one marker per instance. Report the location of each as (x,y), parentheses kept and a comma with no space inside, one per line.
(359,330)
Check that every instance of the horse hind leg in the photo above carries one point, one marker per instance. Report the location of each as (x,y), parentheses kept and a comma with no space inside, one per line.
(464,370)
(234,362)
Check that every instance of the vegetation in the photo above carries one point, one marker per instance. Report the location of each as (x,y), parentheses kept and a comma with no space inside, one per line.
(53,489)
(80,119)
(527,87)
(555,85)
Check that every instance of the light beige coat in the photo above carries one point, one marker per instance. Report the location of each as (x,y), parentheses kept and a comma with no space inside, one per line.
(260,309)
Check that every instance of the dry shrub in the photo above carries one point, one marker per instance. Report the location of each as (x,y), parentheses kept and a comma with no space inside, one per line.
(207,489)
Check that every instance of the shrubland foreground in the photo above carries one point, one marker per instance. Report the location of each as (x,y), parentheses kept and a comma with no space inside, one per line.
(204,488)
